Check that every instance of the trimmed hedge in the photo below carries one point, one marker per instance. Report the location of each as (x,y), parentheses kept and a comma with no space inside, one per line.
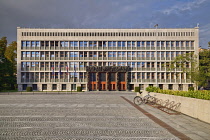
(28,89)
(79,89)
(191,88)
(137,89)
(199,94)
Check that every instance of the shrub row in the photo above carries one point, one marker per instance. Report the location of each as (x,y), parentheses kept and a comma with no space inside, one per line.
(199,94)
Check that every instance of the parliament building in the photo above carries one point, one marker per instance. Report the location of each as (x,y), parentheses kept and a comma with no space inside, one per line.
(102,59)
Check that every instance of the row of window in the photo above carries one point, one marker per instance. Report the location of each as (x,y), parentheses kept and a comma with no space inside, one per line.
(73,86)
(54,87)
(101,54)
(76,65)
(107,43)
(83,75)
(108,33)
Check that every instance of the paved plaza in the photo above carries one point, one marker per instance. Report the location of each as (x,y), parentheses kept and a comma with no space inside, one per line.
(91,116)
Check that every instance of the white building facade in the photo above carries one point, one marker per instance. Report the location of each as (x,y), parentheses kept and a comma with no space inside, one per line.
(102,59)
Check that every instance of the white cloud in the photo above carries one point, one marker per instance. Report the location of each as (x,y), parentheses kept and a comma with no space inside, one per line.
(180,7)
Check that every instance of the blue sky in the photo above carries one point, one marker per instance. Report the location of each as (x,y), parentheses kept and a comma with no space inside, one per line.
(104,14)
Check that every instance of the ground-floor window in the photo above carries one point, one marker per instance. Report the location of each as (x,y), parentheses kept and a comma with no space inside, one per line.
(44,86)
(54,87)
(180,87)
(131,86)
(34,86)
(83,86)
(150,85)
(141,86)
(63,86)
(161,86)
(170,86)
(73,86)
(24,86)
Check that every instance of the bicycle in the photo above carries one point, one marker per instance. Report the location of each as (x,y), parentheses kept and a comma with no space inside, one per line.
(146,99)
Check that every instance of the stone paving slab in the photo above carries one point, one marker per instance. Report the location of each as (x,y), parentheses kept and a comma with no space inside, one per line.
(77,116)
(191,127)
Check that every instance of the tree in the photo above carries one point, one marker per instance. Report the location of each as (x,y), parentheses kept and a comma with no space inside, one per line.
(3,45)
(185,63)
(203,76)
(7,64)
(11,54)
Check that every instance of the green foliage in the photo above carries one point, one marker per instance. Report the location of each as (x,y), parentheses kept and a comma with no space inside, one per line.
(191,88)
(79,89)
(186,63)
(152,89)
(3,45)
(203,76)
(28,89)
(199,94)
(137,89)
(7,65)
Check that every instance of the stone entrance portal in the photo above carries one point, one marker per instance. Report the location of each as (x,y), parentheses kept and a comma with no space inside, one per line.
(107,78)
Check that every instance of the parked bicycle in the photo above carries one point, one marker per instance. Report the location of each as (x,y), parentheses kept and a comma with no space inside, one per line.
(138,100)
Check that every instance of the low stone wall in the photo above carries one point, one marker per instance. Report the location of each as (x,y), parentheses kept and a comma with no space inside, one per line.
(196,108)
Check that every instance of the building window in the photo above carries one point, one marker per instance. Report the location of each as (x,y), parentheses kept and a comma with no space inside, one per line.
(81,44)
(27,43)
(138,44)
(54,87)
(123,43)
(24,86)
(104,44)
(34,86)
(63,86)
(73,86)
(83,86)
(141,86)
(180,87)
(44,86)
(131,86)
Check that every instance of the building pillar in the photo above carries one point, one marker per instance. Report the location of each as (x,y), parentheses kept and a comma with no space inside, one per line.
(107,81)
(88,81)
(165,86)
(185,87)
(97,81)
(175,87)
(20,87)
(127,85)
(117,82)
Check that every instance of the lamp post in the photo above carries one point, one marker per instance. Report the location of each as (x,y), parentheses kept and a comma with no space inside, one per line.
(156,25)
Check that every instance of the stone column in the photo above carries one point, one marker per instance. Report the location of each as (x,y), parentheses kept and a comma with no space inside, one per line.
(117,82)
(107,81)
(126,77)
(88,81)
(97,80)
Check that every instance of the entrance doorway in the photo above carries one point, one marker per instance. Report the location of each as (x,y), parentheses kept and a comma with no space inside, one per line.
(122,86)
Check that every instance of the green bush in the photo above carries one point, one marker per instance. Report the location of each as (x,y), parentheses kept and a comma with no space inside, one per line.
(152,89)
(28,89)
(137,89)
(199,94)
(79,89)
(191,88)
